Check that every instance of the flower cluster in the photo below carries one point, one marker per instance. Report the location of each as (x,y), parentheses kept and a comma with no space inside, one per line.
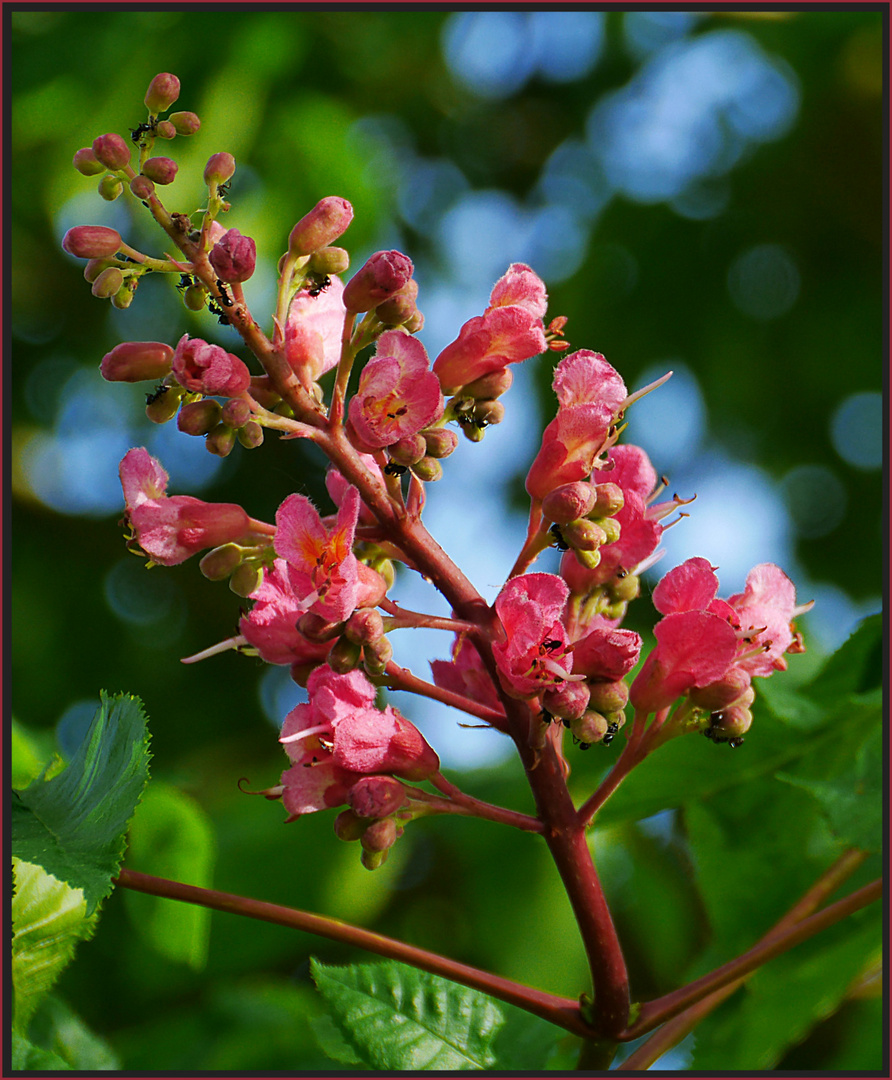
(551,647)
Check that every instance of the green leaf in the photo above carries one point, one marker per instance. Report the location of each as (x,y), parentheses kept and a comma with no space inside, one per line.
(525,1043)
(855,667)
(74,825)
(48,920)
(172,837)
(332,1042)
(398,1018)
(26,1056)
(58,1030)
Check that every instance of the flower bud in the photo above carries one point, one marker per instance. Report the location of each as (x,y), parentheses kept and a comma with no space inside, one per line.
(440,442)
(219,169)
(233,257)
(236,413)
(609,500)
(329,260)
(488,412)
(372,860)
(317,628)
(608,697)
(376,656)
(569,502)
(91,241)
(112,151)
(199,417)
(569,701)
(725,692)
(165,130)
(136,361)
(414,323)
(184,123)
(110,187)
(408,450)
(250,435)
(160,170)
(590,728)
(428,469)
(384,274)
(491,385)
(325,222)
(94,268)
(246,579)
(625,588)
(163,91)
(588,559)
(583,535)
(163,404)
(344,656)
(380,835)
(730,723)
(348,826)
(220,441)
(123,298)
(364,626)
(219,563)
(108,282)
(376,796)
(142,187)
(86,162)
(400,306)
(195,297)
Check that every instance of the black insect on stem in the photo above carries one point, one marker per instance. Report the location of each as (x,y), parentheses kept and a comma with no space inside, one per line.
(392,469)
(156,394)
(318,285)
(559,542)
(225,298)
(610,733)
(137,133)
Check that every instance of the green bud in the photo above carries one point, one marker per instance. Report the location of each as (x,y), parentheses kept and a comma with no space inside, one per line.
(380,835)
(163,91)
(588,559)
(251,435)
(408,451)
(86,162)
(123,298)
(220,441)
(365,626)
(343,656)
(142,187)
(110,187)
(329,260)
(199,417)
(184,123)
(218,564)
(428,469)
(440,442)
(492,385)
(236,413)
(108,282)
(317,628)
(195,297)
(165,130)
(371,860)
(625,588)
(583,535)
(607,697)
(376,656)
(348,826)
(163,404)
(609,500)
(246,578)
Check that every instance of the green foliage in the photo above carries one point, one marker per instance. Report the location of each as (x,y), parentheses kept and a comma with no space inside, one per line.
(74,824)
(172,837)
(59,1039)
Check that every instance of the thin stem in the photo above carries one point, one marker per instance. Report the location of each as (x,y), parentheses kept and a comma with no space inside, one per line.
(564,1012)
(400,678)
(658,1011)
(634,752)
(673,1031)
(403,618)
(476,807)
(345,366)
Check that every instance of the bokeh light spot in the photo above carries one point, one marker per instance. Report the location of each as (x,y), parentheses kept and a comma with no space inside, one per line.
(857,430)
(816,499)
(764,282)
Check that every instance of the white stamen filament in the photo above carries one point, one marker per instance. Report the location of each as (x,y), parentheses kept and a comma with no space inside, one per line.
(221,646)
(644,390)
(315,730)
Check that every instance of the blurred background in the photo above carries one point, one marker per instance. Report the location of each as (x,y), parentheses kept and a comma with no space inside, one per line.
(701,192)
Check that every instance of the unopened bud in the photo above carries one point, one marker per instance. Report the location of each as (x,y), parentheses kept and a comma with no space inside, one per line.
(112,151)
(730,723)
(328,219)
(608,697)
(236,413)
(376,796)
(383,275)
(195,297)
(344,656)
(329,260)
(317,628)
(142,187)
(86,162)
(233,257)
(408,450)
(108,283)
(414,323)
(376,656)
(583,535)
(94,268)
(165,130)
(590,728)
(612,529)
(380,835)
(199,417)
(162,405)
(160,170)
(123,298)
(246,579)
(489,412)
(364,626)
(184,123)
(588,559)
(110,187)
(569,701)
(625,588)
(492,385)
(569,502)
(348,826)
(91,241)
(220,441)
(725,692)
(428,469)
(163,91)
(440,442)
(219,169)
(220,563)
(251,435)
(373,860)
(609,500)
(400,306)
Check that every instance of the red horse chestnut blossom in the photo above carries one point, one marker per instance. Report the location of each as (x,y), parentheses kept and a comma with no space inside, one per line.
(313,331)
(340,737)
(397,396)
(172,528)
(233,257)
(271,625)
(203,368)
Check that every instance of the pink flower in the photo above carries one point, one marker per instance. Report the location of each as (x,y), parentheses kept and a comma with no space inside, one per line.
(233,257)
(466,675)
(170,529)
(590,394)
(764,612)
(337,487)
(605,653)
(398,395)
(271,625)
(323,571)
(207,369)
(508,332)
(313,331)
(535,655)
(339,737)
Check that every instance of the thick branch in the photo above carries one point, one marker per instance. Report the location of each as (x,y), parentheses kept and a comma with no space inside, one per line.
(564,1012)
